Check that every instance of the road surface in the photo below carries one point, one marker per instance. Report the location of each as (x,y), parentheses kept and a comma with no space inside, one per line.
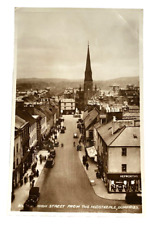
(66,187)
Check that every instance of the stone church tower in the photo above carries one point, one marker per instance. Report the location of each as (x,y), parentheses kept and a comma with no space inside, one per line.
(88,81)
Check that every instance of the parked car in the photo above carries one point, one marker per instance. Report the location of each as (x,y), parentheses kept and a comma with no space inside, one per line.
(56,144)
(77,115)
(32,199)
(61,119)
(62,130)
(34,191)
(75,135)
(49,163)
(133,198)
(52,153)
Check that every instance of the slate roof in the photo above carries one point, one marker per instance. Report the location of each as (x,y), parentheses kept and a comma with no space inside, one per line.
(90,117)
(26,116)
(124,136)
(19,122)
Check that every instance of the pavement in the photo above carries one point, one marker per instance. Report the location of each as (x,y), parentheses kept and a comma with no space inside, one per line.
(22,192)
(97,183)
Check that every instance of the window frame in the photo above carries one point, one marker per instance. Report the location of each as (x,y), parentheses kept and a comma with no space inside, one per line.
(124,166)
(124,151)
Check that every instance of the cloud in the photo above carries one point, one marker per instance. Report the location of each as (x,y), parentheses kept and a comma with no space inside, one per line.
(53,42)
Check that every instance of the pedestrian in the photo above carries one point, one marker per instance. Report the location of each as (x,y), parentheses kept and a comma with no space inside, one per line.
(87,165)
(30,177)
(41,160)
(45,158)
(25,179)
(84,160)
(37,173)
(74,143)
(33,182)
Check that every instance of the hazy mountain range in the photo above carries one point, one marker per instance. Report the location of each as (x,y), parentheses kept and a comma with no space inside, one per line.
(58,85)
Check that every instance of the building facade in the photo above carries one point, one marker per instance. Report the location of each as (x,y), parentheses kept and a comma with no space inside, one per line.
(67,106)
(118,155)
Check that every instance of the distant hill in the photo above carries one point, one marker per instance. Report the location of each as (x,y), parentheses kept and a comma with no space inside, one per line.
(122,82)
(59,85)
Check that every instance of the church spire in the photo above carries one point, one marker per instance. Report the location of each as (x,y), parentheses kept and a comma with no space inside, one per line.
(88,71)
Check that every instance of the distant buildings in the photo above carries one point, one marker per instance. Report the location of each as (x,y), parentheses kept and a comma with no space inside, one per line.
(67,106)
(131,94)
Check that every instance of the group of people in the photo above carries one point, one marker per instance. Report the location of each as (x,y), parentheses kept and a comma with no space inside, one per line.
(42,158)
(34,172)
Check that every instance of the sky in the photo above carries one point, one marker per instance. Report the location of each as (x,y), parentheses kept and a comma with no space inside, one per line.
(52,43)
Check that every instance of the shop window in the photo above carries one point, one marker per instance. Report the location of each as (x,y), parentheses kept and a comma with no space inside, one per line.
(124,167)
(124,151)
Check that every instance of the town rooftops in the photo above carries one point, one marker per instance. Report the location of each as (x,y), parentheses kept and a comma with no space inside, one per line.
(123,135)
(90,117)
(131,115)
(39,112)
(26,116)
(67,100)
(19,122)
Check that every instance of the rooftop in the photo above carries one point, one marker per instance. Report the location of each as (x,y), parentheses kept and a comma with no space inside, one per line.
(19,122)
(122,136)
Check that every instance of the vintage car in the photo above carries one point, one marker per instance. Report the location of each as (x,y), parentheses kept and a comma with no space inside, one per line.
(77,115)
(56,144)
(52,153)
(133,198)
(32,199)
(62,130)
(75,135)
(49,163)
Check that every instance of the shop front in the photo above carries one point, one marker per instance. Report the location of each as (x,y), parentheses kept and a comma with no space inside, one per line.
(122,183)
(92,153)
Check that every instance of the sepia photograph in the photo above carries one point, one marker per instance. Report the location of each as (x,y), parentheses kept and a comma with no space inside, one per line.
(77,111)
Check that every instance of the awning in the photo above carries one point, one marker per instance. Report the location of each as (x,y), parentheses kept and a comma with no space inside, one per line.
(91,151)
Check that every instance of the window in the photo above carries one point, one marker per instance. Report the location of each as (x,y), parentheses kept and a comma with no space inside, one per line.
(124,167)
(124,151)
(17,147)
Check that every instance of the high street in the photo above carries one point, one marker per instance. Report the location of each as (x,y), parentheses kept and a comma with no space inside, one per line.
(66,187)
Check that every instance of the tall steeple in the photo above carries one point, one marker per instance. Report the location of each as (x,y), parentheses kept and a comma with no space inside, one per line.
(88,81)
(88,71)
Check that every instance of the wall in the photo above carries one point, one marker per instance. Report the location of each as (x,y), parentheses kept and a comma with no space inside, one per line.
(43,125)
(33,135)
(68,106)
(115,160)
(18,154)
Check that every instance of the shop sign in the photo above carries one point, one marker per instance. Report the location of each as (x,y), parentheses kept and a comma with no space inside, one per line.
(123,176)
